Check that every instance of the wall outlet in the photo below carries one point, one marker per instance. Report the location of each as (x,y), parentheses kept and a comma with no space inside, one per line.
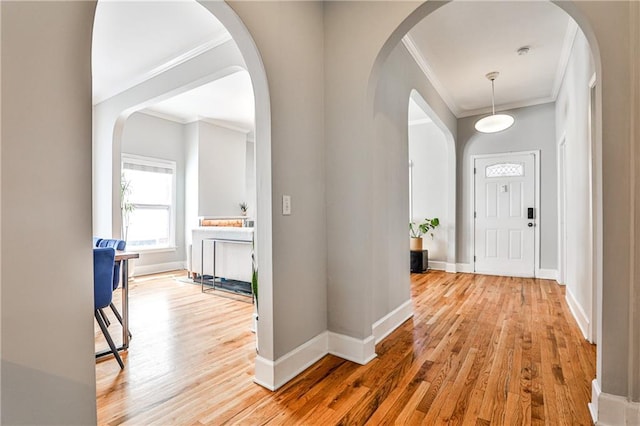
(286,205)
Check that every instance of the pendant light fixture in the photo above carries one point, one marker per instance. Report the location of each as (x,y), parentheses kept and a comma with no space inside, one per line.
(495,122)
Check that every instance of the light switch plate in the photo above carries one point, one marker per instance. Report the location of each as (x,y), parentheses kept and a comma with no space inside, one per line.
(286,205)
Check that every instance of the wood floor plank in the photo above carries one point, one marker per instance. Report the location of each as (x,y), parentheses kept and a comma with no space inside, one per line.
(479,350)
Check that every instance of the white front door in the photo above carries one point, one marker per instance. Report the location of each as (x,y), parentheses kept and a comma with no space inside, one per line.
(504,228)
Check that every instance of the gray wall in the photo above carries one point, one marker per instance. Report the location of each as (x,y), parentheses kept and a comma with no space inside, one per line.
(191,185)
(368,275)
(251,196)
(534,129)
(48,364)
(289,36)
(157,138)
(222,161)
(46,74)
(572,123)
(390,200)
(428,153)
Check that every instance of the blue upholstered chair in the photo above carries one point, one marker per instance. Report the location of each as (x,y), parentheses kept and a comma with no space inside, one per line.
(103,261)
(118,245)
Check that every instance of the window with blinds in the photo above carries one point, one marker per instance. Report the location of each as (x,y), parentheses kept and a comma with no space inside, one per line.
(151,187)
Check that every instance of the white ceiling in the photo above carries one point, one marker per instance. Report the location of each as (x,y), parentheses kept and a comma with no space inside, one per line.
(458,44)
(136,40)
(228,101)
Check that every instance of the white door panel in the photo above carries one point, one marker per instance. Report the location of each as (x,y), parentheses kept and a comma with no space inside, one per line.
(504,190)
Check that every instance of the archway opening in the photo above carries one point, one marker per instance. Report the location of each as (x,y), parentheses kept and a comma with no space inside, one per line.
(221,51)
(577,107)
(432,178)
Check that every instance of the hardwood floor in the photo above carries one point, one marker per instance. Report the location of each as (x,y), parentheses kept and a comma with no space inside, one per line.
(479,350)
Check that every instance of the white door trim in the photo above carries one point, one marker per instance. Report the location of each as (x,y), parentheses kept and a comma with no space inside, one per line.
(536,231)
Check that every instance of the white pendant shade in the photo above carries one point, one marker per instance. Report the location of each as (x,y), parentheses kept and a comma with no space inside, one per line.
(494,123)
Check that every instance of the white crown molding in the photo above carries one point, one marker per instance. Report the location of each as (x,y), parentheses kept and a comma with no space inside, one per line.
(162,116)
(506,107)
(224,125)
(165,66)
(415,53)
(565,54)
(563,62)
(212,121)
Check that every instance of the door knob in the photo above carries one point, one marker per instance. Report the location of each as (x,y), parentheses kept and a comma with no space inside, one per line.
(530,224)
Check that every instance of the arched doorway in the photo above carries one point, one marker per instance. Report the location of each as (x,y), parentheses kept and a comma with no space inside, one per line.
(446,189)
(594,162)
(214,62)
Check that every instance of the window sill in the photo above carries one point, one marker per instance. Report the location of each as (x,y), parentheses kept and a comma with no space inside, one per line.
(153,249)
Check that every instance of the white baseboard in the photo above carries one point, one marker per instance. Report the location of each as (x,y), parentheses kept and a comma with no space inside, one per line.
(612,410)
(464,267)
(158,267)
(578,313)
(385,325)
(352,349)
(264,374)
(593,405)
(547,274)
(437,265)
(273,374)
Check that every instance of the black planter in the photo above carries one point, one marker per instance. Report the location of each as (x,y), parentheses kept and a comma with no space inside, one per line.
(419,261)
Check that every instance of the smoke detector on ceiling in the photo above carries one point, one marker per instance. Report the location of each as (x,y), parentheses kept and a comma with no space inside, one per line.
(523,50)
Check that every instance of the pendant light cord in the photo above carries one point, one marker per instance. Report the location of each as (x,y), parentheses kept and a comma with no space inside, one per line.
(493,94)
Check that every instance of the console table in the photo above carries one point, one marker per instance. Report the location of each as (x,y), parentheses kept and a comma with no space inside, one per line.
(215,241)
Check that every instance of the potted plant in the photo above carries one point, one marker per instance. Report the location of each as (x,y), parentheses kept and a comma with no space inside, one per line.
(243,208)
(126,206)
(417,230)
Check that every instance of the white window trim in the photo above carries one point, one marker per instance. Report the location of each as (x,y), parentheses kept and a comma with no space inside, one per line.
(158,162)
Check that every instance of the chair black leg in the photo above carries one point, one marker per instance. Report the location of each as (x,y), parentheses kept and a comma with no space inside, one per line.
(103,327)
(104,317)
(117,314)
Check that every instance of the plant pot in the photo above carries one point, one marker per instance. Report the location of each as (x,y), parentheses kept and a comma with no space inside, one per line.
(416,244)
